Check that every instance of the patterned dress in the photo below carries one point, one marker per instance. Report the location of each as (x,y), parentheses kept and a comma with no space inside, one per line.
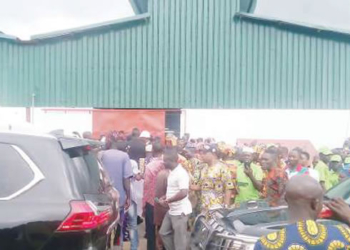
(232,166)
(274,186)
(195,168)
(214,181)
(305,235)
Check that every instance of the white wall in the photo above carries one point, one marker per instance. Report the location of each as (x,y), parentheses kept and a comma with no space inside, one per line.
(12,114)
(69,120)
(321,127)
(46,120)
(12,118)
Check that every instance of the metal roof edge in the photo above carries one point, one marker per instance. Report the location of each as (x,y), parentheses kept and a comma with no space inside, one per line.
(8,37)
(293,25)
(90,28)
(135,7)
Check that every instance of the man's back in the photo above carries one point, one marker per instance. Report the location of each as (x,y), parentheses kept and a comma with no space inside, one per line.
(150,176)
(137,149)
(161,188)
(118,167)
(307,235)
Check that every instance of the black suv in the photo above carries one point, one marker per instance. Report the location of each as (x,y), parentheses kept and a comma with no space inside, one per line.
(54,194)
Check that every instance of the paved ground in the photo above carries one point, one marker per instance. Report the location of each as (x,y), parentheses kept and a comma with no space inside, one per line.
(143,241)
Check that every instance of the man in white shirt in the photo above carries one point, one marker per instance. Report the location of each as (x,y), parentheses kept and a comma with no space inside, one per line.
(174,227)
(136,188)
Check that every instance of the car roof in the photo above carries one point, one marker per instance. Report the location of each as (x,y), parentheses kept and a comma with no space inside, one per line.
(20,134)
(65,141)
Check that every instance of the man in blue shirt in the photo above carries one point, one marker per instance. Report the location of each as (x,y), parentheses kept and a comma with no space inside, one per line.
(304,196)
(118,166)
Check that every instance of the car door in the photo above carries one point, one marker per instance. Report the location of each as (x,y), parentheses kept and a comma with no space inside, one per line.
(19,175)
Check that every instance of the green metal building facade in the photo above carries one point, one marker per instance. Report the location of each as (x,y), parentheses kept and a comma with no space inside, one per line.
(180,54)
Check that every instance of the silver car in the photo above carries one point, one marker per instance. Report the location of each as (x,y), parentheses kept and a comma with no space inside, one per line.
(240,228)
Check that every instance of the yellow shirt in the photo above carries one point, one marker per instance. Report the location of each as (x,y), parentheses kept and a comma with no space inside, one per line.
(215,180)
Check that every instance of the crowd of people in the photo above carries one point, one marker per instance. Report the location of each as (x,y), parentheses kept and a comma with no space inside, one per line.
(168,183)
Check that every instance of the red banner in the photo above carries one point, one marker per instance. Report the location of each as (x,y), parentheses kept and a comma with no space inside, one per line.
(106,120)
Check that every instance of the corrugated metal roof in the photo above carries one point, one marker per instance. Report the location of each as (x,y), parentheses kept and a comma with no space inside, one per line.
(190,54)
(93,28)
(7,37)
(295,26)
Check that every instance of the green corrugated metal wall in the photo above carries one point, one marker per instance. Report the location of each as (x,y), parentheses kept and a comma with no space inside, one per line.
(189,54)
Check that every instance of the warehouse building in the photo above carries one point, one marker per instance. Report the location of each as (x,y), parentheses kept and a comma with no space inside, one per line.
(181,55)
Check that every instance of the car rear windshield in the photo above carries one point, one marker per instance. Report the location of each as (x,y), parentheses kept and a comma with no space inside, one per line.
(342,190)
(86,170)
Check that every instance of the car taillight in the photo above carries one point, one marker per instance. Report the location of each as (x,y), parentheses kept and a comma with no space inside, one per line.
(104,217)
(326,213)
(84,217)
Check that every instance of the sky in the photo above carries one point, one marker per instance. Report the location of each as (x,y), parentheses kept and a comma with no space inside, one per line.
(329,13)
(42,16)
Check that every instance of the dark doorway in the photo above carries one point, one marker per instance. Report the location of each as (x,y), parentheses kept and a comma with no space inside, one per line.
(173,122)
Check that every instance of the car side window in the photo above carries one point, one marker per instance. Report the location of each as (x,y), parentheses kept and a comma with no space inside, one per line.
(18,172)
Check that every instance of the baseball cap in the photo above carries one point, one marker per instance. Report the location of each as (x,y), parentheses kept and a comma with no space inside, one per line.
(270,145)
(325,151)
(145,134)
(336,158)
